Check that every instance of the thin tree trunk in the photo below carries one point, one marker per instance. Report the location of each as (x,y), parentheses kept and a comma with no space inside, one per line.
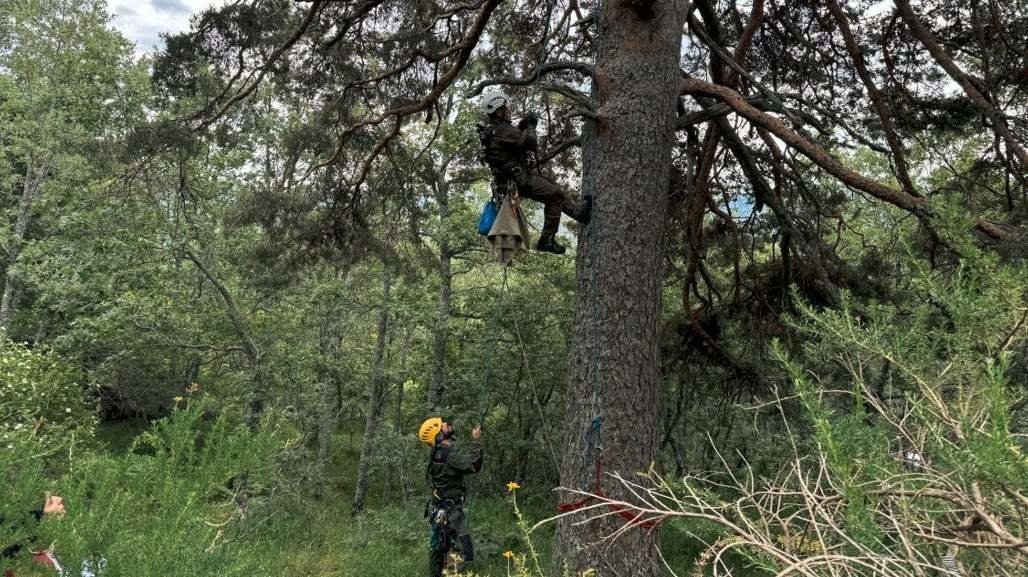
(329,402)
(328,419)
(376,386)
(33,180)
(615,368)
(445,299)
(398,422)
(398,415)
(256,394)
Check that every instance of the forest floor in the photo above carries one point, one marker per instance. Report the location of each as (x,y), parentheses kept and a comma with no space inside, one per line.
(390,539)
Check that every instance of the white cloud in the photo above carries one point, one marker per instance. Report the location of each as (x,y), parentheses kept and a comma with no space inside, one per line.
(142,21)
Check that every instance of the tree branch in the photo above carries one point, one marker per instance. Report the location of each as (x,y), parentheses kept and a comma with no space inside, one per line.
(877,100)
(580,67)
(830,164)
(463,51)
(943,59)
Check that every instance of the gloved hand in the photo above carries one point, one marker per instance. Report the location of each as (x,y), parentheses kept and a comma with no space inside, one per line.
(530,119)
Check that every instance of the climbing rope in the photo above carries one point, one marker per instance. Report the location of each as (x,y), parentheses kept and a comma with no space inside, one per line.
(485,386)
(535,396)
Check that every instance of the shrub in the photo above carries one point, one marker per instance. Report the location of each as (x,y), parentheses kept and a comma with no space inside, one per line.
(907,462)
(194,496)
(42,397)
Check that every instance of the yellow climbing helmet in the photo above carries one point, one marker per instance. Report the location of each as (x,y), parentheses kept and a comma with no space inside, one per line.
(429,429)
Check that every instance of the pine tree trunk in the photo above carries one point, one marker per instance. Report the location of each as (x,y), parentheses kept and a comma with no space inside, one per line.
(376,390)
(33,179)
(615,353)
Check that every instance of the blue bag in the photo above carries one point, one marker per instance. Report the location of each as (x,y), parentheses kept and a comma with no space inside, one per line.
(485,222)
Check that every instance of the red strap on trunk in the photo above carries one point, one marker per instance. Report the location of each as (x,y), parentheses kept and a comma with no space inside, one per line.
(626,514)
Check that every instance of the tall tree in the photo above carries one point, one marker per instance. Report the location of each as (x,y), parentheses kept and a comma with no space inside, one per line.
(64,91)
(376,396)
(615,364)
(779,121)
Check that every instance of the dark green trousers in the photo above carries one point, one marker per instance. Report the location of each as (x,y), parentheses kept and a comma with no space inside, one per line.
(554,199)
(451,533)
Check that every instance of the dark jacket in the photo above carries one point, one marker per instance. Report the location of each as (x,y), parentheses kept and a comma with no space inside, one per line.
(505,146)
(447,467)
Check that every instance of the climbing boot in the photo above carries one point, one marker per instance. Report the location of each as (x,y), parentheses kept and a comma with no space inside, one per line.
(585,210)
(547,243)
(467,551)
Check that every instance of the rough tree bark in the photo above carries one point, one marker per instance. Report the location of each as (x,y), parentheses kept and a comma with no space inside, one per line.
(34,176)
(615,351)
(376,386)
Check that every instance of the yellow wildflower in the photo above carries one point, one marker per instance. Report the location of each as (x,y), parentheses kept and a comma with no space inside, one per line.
(513,486)
(177,399)
(508,554)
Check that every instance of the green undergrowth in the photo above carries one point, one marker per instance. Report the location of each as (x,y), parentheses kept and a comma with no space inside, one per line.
(164,502)
(393,540)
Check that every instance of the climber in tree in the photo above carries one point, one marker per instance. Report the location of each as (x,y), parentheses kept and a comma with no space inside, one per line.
(505,149)
(447,467)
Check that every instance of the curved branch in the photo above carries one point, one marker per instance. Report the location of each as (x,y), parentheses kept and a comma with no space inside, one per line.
(551,154)
(912,204)
(943,59)
(463,50)
(884,115)
(580,67)
(263,70)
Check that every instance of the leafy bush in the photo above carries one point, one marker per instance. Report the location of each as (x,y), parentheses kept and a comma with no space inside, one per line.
(41,396)
(194,496)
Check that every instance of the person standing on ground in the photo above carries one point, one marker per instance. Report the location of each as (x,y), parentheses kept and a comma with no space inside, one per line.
(447,467)
(505,149)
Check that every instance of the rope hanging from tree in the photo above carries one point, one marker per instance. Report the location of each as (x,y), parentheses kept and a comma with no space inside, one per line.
(485,387)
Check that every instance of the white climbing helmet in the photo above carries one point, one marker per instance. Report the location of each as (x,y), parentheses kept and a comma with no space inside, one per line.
(493,101)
